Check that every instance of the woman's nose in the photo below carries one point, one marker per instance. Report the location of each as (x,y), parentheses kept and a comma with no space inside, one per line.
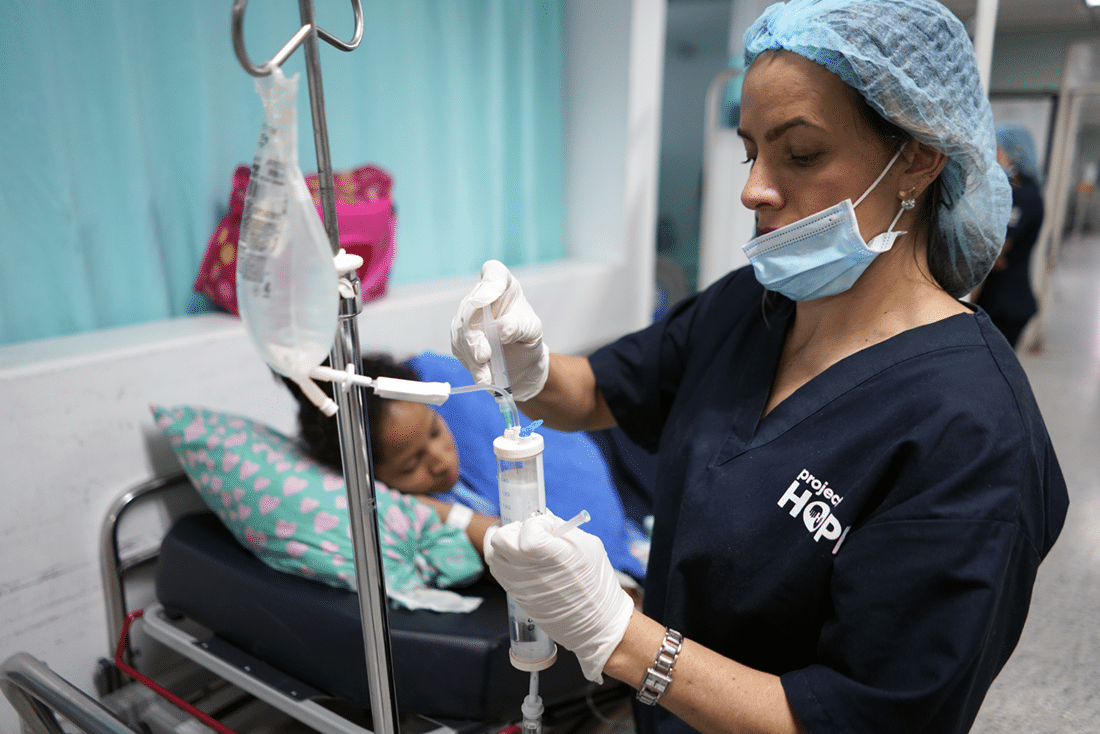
(760,190)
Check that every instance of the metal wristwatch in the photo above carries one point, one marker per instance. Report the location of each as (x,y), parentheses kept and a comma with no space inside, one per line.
(659,676)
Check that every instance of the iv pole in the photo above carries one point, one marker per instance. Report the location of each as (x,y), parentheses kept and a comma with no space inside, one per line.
(351,416)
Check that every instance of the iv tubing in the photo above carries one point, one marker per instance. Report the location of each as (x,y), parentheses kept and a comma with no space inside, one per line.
(498,390)
(496,357)
(423,392)
(532,707)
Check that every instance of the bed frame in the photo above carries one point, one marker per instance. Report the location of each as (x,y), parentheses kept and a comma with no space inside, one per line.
(483,695)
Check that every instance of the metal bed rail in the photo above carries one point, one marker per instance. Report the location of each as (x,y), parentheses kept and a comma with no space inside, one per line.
(113,567)
(37,693)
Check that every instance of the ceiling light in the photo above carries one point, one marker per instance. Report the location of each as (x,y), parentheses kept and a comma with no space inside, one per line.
(1092,3)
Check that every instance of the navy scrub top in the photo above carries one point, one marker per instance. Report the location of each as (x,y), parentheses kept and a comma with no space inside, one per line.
(873,540)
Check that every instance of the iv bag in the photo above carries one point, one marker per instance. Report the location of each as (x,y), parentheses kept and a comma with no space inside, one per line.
(286,279)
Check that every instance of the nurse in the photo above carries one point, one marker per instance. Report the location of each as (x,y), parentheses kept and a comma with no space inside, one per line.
(1006,293)
(855,486)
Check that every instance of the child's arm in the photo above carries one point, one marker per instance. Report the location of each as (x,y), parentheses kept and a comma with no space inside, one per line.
(475,530)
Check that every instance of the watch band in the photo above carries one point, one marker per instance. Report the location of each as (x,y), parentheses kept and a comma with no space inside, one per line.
(659,676)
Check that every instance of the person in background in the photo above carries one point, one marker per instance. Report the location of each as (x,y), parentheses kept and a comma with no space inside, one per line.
(855,485)
(1006,293)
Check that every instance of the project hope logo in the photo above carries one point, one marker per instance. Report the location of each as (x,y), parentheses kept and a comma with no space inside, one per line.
(817,515)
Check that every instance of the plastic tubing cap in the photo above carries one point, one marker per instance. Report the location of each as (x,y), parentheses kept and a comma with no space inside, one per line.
(518,449)
(434,393)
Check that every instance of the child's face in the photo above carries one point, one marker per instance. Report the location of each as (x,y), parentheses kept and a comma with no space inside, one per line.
(417,450)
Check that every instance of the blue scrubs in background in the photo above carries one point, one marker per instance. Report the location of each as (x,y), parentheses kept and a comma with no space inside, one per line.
(873,540)
(1006,292)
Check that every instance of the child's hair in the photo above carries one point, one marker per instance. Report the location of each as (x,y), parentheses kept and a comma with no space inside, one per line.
(320,432)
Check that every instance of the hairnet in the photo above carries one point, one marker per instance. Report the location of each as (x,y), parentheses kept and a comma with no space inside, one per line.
(1017,143)
(914,64)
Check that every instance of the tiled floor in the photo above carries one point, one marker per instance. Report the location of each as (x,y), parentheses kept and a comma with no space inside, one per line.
(1051,685)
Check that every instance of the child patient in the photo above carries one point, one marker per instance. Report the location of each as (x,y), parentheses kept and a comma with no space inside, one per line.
(444,455)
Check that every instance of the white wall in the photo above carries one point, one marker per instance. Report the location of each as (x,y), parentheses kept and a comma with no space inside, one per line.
(77,431)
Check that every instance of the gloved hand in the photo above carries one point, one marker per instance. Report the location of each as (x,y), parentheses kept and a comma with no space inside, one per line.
(525,356)
(566,585)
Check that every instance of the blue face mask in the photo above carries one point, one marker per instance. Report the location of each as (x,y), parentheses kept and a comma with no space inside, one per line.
(822,254)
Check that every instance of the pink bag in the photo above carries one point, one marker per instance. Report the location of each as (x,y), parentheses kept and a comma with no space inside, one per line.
(367,223)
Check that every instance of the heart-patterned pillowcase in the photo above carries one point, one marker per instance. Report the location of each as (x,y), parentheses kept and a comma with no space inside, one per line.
(292,512)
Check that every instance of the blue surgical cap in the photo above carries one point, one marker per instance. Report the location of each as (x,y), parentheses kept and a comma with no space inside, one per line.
(914,64)
(1017,143)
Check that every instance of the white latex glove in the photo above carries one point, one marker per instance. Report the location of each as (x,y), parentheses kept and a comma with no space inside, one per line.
(566,585)
(525,356)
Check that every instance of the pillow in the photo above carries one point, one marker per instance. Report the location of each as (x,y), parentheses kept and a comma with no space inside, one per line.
(292,512)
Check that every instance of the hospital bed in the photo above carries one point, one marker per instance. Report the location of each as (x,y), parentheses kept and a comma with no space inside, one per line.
(296,644)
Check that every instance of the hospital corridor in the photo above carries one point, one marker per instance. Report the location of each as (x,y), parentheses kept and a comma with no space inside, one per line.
(1049,686)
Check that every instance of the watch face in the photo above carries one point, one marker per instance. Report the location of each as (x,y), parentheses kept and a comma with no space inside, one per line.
(658,678)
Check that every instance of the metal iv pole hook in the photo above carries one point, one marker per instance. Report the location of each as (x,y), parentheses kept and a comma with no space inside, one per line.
(295,41)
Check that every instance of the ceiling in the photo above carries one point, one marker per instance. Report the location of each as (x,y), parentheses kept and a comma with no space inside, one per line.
(696,26)
(1032,14)
(698,21)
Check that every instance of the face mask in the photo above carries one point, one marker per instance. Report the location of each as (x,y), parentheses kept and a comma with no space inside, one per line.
(822,254)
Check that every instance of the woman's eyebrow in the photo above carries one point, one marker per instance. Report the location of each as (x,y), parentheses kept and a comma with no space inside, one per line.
(778,130)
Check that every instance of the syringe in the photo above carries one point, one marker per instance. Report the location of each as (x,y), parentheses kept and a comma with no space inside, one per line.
(497,369)
(522,495)
(522,492)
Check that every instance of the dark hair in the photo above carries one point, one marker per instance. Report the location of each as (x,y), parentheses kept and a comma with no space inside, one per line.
(319,432)
(941,268)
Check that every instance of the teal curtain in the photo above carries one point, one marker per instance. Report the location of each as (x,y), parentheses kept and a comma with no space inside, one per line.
(121,122)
